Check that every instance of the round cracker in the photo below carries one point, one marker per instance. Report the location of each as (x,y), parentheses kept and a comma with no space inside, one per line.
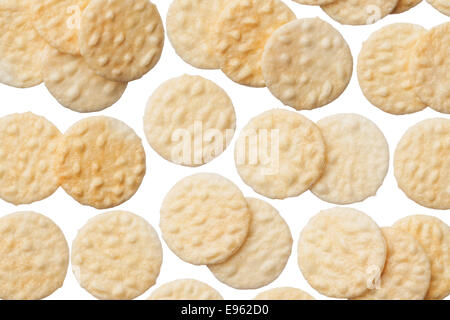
(58,22)
(341,251)
(406,274)
(242,30)
(434,237)
(121,40)
(27,149)
(357,159)
(422,163)
(100,162)
(75,85)
(383,65)
(34,256)
(307,64)
(204,219)
(268,246)
(280,154)
(193,113)
(185,289)
(285,293)
(430,68)
(360,12)
(189,30)
(442,6)
(314,2)
(20,52)
(116,255)
(405,5)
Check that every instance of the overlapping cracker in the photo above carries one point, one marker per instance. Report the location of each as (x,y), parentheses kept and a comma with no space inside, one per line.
(357,159)
(307,64)
(341,252)
(121,40)
(268,246)
(185,289)
(242,30)
(422,163)
(75,85)
(434,237)
(205,219)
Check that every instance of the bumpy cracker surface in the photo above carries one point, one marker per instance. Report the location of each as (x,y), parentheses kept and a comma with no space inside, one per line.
(185,289)
(27,149)
(406,274)
(307,64)
(383,68)
(189,30)
(341,252)
(75,85)
(359,12)
(204,219)
(121,40)
(268,246)
(33,256)
(405,5)
(20,52)
(193,113)
(58,22)
(357,159)
(422,163)
(284,293)
(116,255)
(100,162)
(442,5)
(280,154)
(430,68)
(314,2)
(242,31)
(434,237)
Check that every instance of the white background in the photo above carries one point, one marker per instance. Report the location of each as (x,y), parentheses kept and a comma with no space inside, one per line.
(388,206)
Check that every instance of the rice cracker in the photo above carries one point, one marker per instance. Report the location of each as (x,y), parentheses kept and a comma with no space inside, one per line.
(204,219)
(357,159)
(280,154)
(75,85)
(242,30)
(189,30)
(185,289)
(314,2)
(285,293)
(189,120)
(405,5)
(34,256)
(434,237)
(430,68)
(27,150)
(422,163)
(442,6)
(307,64)
(406,274)
(58,22)
(20,52)
(341,252)
(100,162)
(268,246)
(359,12)
(116,255)
(383,68)
(121,40)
